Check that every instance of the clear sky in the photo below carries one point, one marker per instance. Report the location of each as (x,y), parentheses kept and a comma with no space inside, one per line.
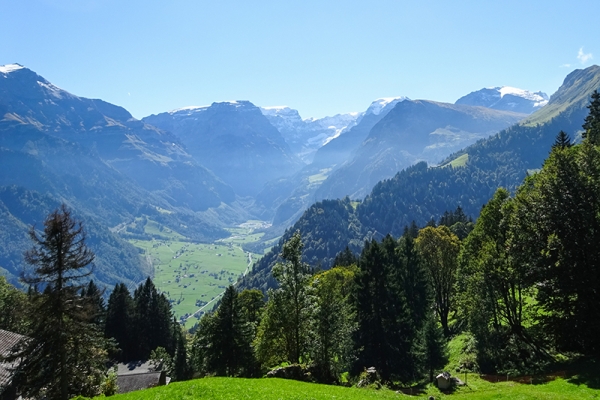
(320,57)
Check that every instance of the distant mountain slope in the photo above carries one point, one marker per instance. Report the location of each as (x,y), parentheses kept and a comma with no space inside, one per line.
(154,159)
(109,168)
(506,98)
(116,260)
(339,150)
(420,193)
(285,199)
(306,136)
(234,140)
(413,130)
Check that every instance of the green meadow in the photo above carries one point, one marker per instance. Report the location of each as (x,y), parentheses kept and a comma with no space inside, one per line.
(193,275)
(280,389)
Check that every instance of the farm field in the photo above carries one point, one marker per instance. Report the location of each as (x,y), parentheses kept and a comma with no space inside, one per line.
(193,275)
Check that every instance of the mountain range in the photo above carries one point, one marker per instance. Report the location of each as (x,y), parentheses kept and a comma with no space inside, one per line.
(420,193)
(197,170)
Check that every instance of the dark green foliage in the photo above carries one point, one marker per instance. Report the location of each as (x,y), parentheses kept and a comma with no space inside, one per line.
(222,343)
(251,303)
(592,121)
(562,140)
(332,323)
(558,219)
(432,348)
(66,353)
(384,332)
(119,322)
(326,227)
(93,295)
(152,320)
(345,258)
(13,306)
(181,368)
(414,280)
(292,299)
(493,290)
(438,249)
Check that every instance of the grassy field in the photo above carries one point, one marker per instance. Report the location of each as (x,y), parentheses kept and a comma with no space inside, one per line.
(193,275)
(275,389)
(458,161)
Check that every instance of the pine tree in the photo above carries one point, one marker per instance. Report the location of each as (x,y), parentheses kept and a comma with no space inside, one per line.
(93,296)
(181,368)
(119,322)
(591,125)
(66,352)
(433,347)
(562,141)
(152,320)
(384,330)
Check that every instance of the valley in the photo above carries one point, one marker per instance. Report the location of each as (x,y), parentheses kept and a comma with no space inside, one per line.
(194,275)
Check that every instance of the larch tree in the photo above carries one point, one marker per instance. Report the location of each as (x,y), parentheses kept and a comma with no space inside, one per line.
(66,352)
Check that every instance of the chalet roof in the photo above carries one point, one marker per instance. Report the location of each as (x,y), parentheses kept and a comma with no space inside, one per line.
(137,375)
(138,381)
(7,341)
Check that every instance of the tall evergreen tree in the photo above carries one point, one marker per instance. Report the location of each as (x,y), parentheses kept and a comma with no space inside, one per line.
(433,347)
(181,367)
(152,320)
(591,125)
(231,344)
(119,322)
(558,223)
(93,295)
(384,330)
(563,140)
(65,355)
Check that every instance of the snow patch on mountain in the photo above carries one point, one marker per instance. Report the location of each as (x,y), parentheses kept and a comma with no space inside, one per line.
(506,98)
(8,68)
(305,136)
(188,110)
(384,103)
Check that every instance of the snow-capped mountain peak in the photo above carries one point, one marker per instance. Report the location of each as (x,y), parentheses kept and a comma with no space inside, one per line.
(8,68)
(506,98)
(379,105)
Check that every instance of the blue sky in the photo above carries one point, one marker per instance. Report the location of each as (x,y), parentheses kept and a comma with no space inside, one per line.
(320,57)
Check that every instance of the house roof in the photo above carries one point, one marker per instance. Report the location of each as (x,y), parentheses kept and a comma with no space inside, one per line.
(7,341)
(138,381)
(135,367)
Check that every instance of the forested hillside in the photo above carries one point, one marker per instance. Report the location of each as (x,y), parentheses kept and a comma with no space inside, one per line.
(420,193)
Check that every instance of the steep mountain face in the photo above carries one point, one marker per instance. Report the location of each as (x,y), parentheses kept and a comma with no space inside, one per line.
(286,199)
(154,159)
(506,98)
(306,136)
(339,150)
(412,131)
(234,140)
(109,168)
(468,178)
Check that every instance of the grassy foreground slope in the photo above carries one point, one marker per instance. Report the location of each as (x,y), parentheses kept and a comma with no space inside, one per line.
(275,389)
